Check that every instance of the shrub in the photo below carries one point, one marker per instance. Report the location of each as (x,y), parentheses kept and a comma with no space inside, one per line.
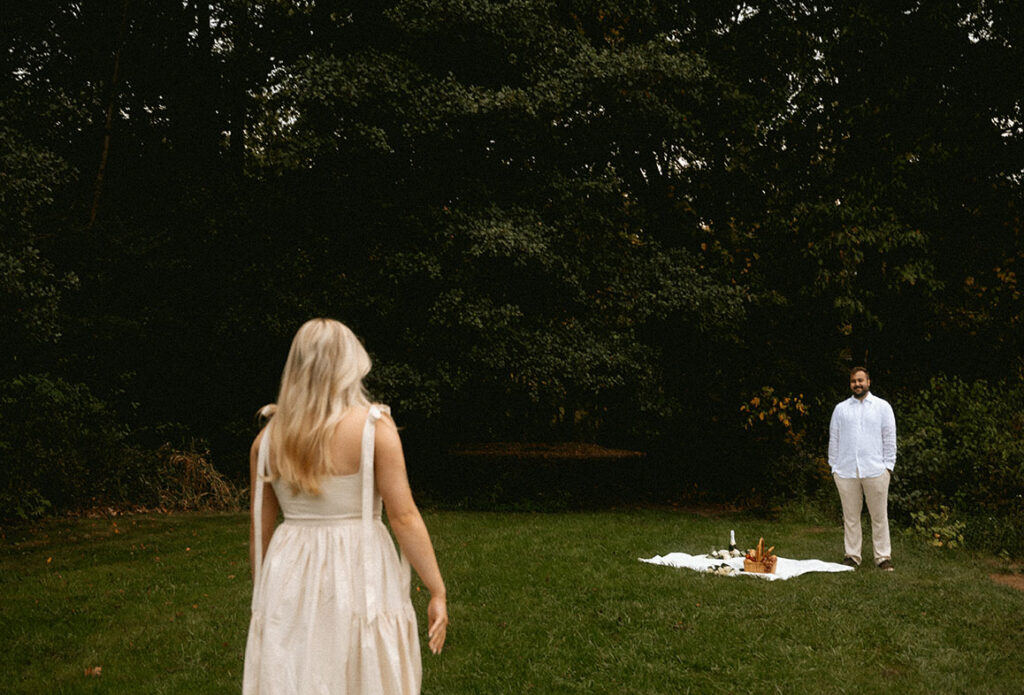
(61,447)
(1003,534)
(940,529)
(961,445)
(961,456)
(791,434)
(188,481)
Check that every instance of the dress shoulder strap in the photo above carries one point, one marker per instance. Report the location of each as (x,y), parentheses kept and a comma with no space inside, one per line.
(371,560)
(366,460)
(262,470)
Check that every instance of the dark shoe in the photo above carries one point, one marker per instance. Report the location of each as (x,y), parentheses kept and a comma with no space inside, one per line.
(886,565)
(850,562)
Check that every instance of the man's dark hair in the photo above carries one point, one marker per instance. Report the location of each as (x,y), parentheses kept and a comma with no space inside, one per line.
(860,369)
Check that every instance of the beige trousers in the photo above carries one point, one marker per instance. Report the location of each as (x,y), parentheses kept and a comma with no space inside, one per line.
(853,492)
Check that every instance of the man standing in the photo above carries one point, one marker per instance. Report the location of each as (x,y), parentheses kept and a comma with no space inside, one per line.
(862,453)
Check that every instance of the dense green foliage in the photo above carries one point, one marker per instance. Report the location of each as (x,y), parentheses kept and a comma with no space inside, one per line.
(64,448)
(61,447)
(962,458)
(549,219)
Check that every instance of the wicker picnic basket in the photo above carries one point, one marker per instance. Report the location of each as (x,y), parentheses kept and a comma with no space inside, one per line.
(759,560)
(766,566)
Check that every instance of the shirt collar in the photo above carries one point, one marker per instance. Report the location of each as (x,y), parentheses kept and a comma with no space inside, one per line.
(869,398)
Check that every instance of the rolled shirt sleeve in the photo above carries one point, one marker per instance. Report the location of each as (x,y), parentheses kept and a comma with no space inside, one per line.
(888,437)
(833,439)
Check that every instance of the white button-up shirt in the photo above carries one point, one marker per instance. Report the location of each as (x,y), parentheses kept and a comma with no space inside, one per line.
(862,438)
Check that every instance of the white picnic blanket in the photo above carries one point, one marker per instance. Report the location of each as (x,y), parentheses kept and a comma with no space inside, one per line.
(784,567)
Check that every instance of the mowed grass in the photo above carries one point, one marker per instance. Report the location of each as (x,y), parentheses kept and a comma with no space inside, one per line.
(545,603)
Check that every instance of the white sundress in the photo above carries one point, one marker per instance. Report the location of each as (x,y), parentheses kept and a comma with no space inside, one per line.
(331,611)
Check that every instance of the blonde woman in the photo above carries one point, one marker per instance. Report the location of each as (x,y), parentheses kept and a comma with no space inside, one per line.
(331,611)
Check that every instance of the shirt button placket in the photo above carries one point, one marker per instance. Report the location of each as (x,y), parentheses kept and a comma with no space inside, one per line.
(860,433)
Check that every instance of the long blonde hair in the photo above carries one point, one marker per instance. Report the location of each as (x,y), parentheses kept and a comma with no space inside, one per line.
(322,380)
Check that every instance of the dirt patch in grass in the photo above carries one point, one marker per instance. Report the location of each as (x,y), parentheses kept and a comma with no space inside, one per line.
(1010,574)
(707,509)
(535,476)
(1014,581)
(546,451)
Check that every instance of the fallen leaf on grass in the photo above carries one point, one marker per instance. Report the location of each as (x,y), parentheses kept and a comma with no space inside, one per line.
(94,671)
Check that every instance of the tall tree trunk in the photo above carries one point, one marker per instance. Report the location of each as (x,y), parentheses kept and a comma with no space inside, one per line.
(238,87)
(109,123)
(206,95)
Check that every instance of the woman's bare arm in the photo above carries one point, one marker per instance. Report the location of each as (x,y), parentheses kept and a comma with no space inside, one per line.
(393,486)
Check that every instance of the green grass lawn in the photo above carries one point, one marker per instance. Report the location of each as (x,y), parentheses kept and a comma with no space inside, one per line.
(545,603)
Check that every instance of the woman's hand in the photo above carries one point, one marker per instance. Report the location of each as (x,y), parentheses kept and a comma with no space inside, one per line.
(437,618)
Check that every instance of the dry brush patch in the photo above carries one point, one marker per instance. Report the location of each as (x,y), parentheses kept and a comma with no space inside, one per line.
(189,482)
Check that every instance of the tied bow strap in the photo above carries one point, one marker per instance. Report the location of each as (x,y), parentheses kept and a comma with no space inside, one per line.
(371,561)
(262,459)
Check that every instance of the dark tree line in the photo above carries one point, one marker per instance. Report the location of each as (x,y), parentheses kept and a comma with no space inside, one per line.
(636,223)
